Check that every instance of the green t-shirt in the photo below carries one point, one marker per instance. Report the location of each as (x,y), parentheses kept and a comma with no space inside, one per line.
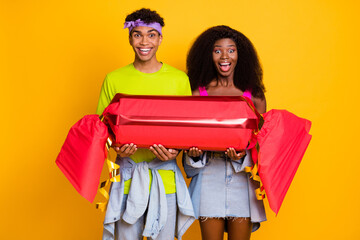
(128,80)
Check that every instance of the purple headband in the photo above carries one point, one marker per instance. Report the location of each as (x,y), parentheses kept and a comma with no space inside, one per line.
(140,23)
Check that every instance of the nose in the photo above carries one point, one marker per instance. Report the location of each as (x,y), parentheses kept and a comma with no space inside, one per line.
(224,55)
(144,40)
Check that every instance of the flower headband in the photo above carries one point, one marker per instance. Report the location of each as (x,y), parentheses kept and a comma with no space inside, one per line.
(140,23)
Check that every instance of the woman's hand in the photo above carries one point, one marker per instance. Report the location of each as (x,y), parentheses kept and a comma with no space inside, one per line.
(233,155)
(162,153)
(126,150)
(194,152)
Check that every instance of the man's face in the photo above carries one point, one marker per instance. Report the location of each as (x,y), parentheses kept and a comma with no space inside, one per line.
(145,42)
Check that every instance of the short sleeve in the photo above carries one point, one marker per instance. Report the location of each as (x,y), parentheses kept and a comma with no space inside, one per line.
(104,98)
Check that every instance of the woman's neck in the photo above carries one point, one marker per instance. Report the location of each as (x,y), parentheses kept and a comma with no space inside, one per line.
(223,82)
(223,87)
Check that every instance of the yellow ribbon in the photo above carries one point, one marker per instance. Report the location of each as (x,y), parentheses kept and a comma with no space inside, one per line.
(114,176)
(260,194)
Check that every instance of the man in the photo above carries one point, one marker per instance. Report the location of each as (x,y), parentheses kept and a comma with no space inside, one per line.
(134,208)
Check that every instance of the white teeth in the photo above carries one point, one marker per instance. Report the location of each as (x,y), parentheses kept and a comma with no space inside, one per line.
(224,64)
(145,50)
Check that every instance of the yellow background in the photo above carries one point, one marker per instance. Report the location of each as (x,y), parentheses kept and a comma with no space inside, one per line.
(54,56)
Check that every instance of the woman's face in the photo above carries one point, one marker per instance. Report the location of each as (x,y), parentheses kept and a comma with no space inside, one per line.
(225,57)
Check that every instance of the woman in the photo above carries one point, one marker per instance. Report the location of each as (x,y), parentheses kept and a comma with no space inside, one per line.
(222,61)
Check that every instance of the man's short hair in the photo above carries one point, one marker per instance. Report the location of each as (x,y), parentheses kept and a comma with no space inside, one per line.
(146,15)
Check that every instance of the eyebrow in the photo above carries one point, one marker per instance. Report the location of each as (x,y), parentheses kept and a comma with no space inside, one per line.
(151,30)
(232,45)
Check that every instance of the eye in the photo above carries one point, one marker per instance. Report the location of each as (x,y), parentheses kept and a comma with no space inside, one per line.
(231,50)
(151,35)
(136,35)
(217,51)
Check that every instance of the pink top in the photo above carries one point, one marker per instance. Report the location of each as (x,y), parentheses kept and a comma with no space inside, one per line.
(203,92)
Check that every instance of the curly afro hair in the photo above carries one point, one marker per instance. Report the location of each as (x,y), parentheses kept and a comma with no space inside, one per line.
(200,66)
(146,15)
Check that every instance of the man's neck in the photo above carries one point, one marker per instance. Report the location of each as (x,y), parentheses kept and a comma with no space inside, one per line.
(148,66)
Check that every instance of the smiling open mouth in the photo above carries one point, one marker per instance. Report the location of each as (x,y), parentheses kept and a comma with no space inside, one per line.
(225,66)
(144,51)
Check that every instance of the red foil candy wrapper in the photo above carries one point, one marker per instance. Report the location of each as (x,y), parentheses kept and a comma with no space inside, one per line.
(82,155)
(207,122)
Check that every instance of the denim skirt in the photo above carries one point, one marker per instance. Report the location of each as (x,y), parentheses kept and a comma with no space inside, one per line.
(224,193)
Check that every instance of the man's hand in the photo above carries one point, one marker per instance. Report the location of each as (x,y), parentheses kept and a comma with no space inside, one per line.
(126,150)
(162,153)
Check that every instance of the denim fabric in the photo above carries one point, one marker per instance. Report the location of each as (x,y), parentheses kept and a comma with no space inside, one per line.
(221,188)
(126,231)
(141,202)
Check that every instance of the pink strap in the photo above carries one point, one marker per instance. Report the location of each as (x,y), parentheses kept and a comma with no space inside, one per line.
(203,92)
(247,94)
